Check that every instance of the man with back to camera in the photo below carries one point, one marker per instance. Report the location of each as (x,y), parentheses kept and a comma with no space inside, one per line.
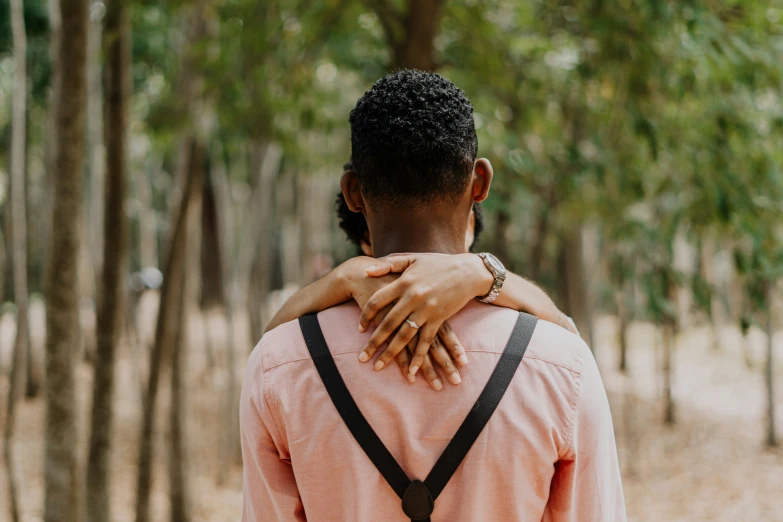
(547,452)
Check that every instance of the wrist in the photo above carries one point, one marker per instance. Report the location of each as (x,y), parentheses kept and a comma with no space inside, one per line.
(479,275)
(348,273)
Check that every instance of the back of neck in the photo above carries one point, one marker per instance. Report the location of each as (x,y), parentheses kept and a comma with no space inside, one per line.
(418,232)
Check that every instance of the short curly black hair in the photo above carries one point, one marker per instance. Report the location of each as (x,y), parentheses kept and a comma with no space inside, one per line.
(413,139)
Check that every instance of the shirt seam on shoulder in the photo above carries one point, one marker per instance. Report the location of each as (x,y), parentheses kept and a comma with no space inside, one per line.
(300,359)
(574,404)
(531,357)
(534,358)
(283,363)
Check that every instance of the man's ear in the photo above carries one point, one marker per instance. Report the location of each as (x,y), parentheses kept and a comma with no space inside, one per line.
(482,178)
(352,191)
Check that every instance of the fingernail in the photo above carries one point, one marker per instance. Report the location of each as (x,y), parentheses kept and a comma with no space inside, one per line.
(370,268)
(462,359)
(364,357)
(411,378)
(414,369)
(361,329)
(438,385)
(378,365)
(454,378)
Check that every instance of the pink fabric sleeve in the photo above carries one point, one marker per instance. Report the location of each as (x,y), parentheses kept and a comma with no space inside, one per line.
(586,485)
(269,486)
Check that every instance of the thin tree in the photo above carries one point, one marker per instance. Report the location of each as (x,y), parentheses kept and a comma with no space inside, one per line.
(254,259)
(411,34)
(166,334)
(178,455)
(117,41)
(19,239)
(94,235)
(229,429)
(623,317)
(62,317)
(670,331)
(3,265)
(769,368)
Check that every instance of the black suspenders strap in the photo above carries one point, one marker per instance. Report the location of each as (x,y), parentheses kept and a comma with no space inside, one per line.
(485,406)
(418,497)
(347,408)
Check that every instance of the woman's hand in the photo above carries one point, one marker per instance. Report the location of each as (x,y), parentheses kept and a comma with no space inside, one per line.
(354,281)
(432,288)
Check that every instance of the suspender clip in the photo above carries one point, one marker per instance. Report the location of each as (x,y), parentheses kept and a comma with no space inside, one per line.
(417,503)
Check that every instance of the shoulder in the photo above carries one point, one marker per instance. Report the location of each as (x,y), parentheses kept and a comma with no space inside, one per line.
(285,344)
(554,345)
(282,345)
(487,328)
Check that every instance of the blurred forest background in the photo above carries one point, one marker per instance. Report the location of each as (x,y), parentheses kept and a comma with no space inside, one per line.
(183,157)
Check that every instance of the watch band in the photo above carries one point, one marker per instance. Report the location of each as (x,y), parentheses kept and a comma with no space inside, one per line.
(499,273)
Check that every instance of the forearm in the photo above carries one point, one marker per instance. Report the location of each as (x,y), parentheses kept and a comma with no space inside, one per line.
(520,294)
(324,293)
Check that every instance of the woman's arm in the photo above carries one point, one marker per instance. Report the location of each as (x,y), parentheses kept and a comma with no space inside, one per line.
(331,290)
(432,288)
(350,281)
(520,294)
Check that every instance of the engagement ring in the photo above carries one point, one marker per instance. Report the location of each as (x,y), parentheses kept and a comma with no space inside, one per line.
(413,325)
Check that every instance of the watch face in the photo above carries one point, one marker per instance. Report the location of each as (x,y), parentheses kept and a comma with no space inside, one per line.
(496,264)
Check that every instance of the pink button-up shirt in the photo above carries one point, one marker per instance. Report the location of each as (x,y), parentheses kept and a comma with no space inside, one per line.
(547,454)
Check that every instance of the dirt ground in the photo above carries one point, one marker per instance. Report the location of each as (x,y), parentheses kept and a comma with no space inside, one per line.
(710,466)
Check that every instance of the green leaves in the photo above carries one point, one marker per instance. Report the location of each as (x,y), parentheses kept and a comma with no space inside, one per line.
(649,119)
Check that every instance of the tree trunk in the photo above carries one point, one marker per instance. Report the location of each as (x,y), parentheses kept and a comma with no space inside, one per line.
(15,383)
(706,259)
(539,248)
(178,489)
(769,371)
(190,160)
(253,256)
(229,428)
(502,223)
(147,217)
(307,206)
(50,148)
(62,317)
(622,331)
(168,325)
(668,354)
(747,350)
(421,28)
(212,294)
(631,426)
(577,302)
(3,265)
(18,210)
(670,332)
(114,270)
(97,151)
(189,289)
(19,197)
(18,181)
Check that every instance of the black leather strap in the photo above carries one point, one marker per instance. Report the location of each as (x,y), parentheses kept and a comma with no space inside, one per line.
(347,408)
(417,497)
(485,405)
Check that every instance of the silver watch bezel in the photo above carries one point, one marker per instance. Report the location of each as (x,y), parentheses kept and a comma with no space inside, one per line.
(498,271)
